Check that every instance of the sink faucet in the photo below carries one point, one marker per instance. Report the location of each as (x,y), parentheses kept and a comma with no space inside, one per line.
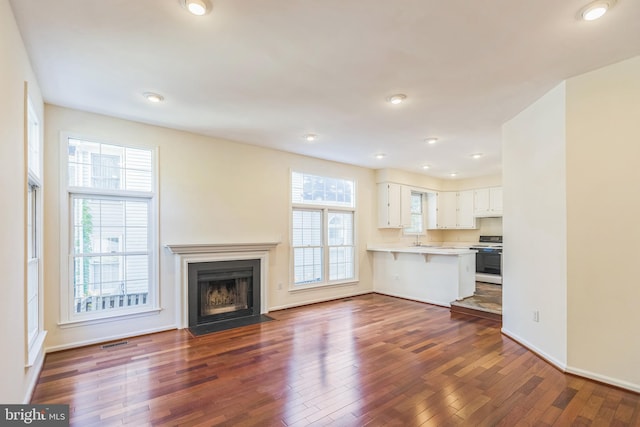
(417,242)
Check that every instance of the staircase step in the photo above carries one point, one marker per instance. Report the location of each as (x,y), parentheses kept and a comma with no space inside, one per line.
(460,309)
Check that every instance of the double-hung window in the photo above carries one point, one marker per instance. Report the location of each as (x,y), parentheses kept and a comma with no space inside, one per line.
(322,230)
(34,327)
(112,255)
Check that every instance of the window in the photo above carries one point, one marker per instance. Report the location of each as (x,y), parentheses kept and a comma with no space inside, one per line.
(112,212)
(33,282)
(104,171)
(417,214)
(33,303)
(323,235)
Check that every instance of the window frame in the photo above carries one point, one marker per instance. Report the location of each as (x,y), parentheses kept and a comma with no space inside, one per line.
(409,231)
(68,316)
(325,209)
(34,337)
(33,257)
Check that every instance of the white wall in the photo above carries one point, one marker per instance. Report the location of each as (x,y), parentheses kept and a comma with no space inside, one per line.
(603,217)
(571,205)
(211,191)
(471,183)
(535,226)
(17,381)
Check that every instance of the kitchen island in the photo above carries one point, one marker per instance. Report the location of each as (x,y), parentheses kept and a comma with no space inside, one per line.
(432,274)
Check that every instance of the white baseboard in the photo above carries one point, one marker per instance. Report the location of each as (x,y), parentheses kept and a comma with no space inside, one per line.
(551,359)
(36,368)
(131,334)
(412,298)
(572,370)
(315,301)
(604,379)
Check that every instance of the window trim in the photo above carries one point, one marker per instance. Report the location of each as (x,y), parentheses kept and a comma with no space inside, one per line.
(406,231)
(67,315)
(33,179)
(34,241)
(325,209)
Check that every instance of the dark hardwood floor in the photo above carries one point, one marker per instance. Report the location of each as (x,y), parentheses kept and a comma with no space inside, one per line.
(370,360)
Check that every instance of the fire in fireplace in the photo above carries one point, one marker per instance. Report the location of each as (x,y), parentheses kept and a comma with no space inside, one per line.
(223,296)
(223,291)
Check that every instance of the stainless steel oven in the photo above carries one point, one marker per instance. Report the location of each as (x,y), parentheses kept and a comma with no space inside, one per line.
(489,259)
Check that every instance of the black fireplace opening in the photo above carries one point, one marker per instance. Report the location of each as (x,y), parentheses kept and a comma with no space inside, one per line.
(223,292)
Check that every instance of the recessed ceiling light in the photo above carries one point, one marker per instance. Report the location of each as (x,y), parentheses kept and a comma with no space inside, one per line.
(310,137)
(453,174)
(476,155)
(425,167)
(596,9)
(431,140)
(380,156)
(153,97)
(196,7)
(397,99)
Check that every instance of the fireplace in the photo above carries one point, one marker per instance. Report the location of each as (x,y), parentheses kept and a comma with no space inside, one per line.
(190,255)
(223,291)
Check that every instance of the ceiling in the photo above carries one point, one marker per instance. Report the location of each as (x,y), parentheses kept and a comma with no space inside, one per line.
(267,72)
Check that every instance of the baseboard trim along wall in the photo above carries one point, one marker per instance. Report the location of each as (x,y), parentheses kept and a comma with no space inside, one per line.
(412,298)
(37,366)
(571,370)
(85,343)
(604,379)
(316,301)
(549,359)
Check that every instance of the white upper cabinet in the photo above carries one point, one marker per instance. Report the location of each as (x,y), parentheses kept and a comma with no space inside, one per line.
(488,202)
(466,218)
(394,205)
(451,210)
(447,210)
(495,200)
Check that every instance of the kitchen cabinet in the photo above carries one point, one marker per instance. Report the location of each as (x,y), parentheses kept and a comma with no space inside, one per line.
(451,210)
(394,205)
(465,217)
(488,202)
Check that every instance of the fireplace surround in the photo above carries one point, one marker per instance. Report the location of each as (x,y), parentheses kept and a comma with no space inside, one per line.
(187,254)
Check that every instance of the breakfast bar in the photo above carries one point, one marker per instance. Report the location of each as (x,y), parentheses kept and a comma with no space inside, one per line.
(432,274)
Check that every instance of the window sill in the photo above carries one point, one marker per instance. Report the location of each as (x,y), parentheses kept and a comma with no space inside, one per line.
(315,286)
(112,318)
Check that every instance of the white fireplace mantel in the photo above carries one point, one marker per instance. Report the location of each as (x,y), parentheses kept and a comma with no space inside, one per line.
(186,254)
(213,248)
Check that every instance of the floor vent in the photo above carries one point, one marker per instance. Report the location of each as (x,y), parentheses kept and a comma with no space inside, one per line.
(115,344)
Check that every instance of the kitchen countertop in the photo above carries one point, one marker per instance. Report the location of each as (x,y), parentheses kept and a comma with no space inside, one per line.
(425,249)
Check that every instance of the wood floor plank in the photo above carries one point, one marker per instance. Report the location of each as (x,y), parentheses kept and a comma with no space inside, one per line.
(371,360)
